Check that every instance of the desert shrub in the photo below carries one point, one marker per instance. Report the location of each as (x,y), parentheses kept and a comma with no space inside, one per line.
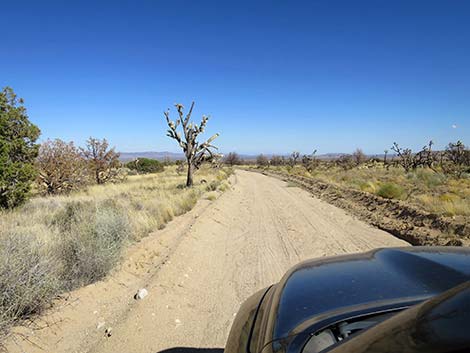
(213,185)
(262,160)
(103,162)
(146,165)
(359,157)
(445,204)
(225,173)
(224,186)
(29,277)
(232,159)
(61,168)
(390,191)
(211,196)
(368,186)
(93,238)
(277,160)
(345,161)
(428,177)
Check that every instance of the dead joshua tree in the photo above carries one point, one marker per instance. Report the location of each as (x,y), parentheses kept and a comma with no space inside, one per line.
(196,153)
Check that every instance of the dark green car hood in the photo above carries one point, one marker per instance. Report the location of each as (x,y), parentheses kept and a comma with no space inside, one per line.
(314,288)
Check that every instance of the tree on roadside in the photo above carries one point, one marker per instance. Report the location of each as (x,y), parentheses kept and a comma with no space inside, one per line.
(359,156)
(232,159)
(262,160)
(18,149)
(195,152)
(103,162)
(61,167)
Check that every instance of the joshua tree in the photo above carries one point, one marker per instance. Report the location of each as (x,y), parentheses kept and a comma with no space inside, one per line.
(310,162)
(408,160)
(405,156)
(385,156)
(196,153)
(294,157)
(457,159)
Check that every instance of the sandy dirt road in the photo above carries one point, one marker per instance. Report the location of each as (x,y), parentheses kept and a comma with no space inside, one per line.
(203,266)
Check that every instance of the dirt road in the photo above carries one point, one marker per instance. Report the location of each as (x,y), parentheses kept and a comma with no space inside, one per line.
(201,267)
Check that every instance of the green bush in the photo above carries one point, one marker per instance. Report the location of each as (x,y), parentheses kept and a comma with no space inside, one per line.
(18,149)
(390,191)
(146,165)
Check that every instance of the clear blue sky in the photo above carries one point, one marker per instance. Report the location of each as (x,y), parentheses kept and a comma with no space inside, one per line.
(275,76)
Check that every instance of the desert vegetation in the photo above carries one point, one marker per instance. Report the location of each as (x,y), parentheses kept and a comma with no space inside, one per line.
(147,165)
(67,212)
(434,181)
(58,243)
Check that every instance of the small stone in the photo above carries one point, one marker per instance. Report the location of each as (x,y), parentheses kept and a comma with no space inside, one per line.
(100,325)
(109,331)
(141,294)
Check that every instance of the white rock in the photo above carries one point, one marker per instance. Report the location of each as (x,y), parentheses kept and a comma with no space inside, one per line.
(141,294)
(100,325)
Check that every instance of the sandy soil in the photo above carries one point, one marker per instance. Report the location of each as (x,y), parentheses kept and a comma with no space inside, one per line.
(200,269)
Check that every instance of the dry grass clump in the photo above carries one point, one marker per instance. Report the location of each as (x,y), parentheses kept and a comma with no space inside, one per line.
(58,243)
(29,276)
(211,196)
(390,191)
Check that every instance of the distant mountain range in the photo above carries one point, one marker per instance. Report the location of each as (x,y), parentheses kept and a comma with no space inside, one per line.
(173,156)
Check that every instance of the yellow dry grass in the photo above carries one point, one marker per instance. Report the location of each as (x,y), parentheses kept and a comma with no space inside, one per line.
(424,188)
(54,244)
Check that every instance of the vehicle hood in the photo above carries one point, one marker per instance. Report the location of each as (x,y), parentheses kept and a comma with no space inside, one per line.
(319,286)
